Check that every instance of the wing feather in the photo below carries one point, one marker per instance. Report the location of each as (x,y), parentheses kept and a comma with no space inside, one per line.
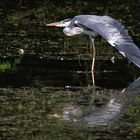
(115,33)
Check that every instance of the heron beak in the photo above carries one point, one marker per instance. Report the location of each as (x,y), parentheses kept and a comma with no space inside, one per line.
(57,24)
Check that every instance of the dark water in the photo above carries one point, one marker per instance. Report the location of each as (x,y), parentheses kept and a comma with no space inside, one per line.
(54,99)
(32,70)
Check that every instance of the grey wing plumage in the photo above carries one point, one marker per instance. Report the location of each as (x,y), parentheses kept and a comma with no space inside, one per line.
(114,33)
(135,86)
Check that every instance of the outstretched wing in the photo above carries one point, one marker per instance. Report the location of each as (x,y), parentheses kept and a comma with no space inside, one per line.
(114,33)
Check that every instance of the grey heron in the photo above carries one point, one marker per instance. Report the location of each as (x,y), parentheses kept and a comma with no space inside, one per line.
(107,27)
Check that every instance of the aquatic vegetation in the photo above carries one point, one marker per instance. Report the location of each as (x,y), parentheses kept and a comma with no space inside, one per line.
(9,64)
(38,113)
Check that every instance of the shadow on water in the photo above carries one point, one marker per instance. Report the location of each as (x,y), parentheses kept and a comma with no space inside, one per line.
(53,99)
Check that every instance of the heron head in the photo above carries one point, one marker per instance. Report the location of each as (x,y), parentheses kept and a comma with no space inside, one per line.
(69,27)
(63,23)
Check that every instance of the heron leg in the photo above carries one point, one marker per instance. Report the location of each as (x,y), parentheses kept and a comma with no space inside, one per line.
(93,60)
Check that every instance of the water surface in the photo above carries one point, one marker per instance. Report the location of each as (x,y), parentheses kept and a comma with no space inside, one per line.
(47,99)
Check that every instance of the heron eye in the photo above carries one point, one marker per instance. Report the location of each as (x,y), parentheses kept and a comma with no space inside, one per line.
(76,25)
